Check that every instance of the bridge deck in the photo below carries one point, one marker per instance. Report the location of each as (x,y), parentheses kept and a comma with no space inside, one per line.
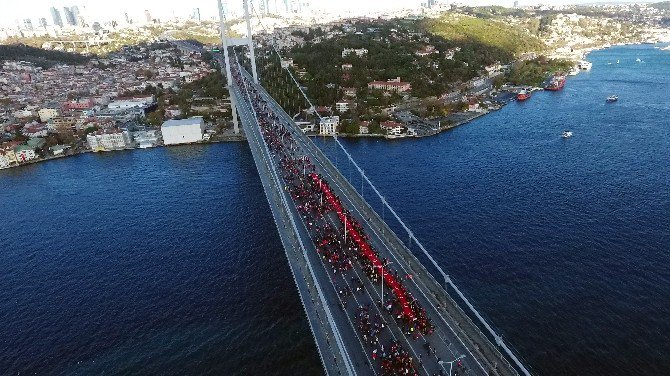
(331,315)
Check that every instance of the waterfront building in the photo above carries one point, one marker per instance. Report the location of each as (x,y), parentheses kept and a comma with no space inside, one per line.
(364,127)
(25,153)
(393,128)
(4,160)
(112,139)
(146,139)
(395,85)
(184,131)
(328,125)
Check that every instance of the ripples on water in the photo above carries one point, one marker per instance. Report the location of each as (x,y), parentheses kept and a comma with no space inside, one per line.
(167,261)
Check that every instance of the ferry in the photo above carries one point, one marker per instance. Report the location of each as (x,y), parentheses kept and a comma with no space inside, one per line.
(566,134)
(585,65)
(556,82)
(523,95)
(612,99)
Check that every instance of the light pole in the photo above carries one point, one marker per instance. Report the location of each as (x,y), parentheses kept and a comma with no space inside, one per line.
(382,271)
(451,364)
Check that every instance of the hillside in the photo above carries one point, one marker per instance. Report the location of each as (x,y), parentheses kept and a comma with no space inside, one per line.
(512,39)
(38,56)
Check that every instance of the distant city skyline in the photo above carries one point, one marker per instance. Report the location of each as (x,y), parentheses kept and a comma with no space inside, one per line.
(97,11)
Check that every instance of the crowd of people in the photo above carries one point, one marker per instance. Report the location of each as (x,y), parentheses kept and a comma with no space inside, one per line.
(341,241)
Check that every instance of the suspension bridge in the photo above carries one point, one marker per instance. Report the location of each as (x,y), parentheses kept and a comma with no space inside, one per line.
(372,306)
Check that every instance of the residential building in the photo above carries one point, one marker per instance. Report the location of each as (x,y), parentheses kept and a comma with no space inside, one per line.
(349,91)
(344,105)
(328,125)
(48,113)
(113,139)
(364,127)
(360,52)
(146,139)
(346,67)
(25,153)
(123,103)
(428,50)
(183,131)
(393,128)
(394,85)
(4,160)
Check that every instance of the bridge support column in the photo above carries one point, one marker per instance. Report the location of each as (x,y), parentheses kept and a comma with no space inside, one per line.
(250,41)
(229,76)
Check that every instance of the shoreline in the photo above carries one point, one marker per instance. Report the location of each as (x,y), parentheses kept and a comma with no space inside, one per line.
(242,138)
(233,138)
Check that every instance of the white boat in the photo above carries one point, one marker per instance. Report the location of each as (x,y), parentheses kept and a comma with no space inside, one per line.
(585,65)
(574,71)
(566,134)
(617,61)
(612,98)
(666,48)
(638,60)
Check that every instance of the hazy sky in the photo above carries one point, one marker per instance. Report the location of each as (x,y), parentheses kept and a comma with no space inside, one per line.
(104,10)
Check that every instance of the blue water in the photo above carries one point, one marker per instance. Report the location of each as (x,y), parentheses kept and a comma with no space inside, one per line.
(167,261)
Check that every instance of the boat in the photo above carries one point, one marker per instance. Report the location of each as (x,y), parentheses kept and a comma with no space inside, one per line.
(666,48)
(585,65)
(612,98)
(566,134)
(574,71)
(556,82)
(523,95)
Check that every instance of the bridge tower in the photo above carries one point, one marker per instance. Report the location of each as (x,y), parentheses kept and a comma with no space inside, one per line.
(250,42)
(229,76)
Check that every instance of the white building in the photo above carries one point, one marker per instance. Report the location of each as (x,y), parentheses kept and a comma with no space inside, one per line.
(4,160)
(146,139)
(109,140)
(328,125)
(344,106)
(134,102)
(183,131)
(47,114)
(360,52)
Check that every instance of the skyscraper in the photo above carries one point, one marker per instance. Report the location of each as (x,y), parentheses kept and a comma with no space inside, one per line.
(55,15)
(147,15)
(69,16)
(76,15)
(27,24)
(196,15)
(128,20)
(43,23)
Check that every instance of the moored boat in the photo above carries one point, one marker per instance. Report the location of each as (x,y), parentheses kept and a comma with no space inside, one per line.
(556,82)
(523,95)
(585,65)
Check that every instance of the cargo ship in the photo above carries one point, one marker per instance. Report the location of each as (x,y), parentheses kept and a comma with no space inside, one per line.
(556,82)
(523,95)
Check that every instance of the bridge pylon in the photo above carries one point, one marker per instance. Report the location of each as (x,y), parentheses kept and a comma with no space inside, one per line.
(229,76)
